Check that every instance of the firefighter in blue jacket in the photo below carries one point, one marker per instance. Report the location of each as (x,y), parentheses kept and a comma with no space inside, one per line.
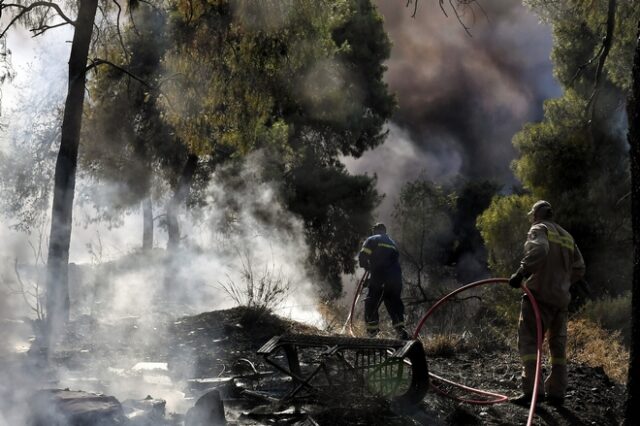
(379,256)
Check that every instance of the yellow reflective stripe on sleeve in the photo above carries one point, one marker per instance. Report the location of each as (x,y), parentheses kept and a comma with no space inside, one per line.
(528,357)
(366,250)
(557,360)
(564,240)
(387,246)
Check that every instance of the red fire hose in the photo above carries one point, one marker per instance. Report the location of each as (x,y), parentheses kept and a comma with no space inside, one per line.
(497,398)
(355,301)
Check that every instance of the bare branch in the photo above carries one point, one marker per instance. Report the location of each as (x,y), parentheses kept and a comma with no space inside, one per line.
(23,10)
(582,67)
(459,18)
(22,290)
(607,41)
(133,22)
(33,250)
(41,29)
(97,62)
(124,49)
(484,12)
(441,4)
(415,7)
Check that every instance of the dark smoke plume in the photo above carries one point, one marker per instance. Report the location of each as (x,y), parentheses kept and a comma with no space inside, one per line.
(461,98)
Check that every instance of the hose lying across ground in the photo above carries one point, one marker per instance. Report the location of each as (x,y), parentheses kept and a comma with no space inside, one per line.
(497,398)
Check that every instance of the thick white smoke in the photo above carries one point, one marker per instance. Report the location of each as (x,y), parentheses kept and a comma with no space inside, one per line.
(110,280)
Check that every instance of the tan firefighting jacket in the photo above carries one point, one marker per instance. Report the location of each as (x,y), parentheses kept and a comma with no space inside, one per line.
(554,262)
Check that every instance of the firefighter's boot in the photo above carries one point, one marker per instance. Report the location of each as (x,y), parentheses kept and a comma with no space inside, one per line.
(525,399)
(528,381)
(372,329)
(556,384)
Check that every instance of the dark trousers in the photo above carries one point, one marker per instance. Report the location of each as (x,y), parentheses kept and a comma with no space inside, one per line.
(385,288)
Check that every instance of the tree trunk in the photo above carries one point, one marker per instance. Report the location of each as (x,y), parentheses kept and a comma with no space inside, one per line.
(65,174)
(178,199)
(173,227)
(632,415)
(147,225)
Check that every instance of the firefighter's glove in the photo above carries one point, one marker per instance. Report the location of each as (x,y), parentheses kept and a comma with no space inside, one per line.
(516,279)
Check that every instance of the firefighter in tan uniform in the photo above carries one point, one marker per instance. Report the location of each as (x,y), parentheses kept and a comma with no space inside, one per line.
(551,263)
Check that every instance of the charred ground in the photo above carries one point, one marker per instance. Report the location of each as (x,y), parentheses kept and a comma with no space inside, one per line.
(218,350)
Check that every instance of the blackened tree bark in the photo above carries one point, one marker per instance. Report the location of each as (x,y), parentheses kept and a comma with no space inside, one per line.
(147,224)
(178,199)
(632,415)
(57,302)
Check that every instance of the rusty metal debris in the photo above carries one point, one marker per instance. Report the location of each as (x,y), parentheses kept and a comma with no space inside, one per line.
(332,368)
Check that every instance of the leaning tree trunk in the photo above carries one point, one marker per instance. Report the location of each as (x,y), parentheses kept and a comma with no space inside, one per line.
(147,225)
(632,416)
(178,199)
(57,302)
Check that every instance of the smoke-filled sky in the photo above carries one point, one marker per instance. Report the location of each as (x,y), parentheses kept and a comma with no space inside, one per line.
(461,98)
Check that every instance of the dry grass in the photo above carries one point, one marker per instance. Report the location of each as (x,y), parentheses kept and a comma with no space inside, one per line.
(444,345)
(588,343)
(611,313)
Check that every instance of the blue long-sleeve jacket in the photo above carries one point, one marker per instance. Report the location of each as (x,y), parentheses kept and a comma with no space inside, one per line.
(379,254)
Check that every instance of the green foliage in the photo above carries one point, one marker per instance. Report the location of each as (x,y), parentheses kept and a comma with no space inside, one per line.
(126,141)
(579,28)
(422,226)
(504,226)
(550,150)
(243,79)
(364,47)
(581,168)
(301,80)
(336,208)
(610,313)
(434,228)
(25,188)
(577,158)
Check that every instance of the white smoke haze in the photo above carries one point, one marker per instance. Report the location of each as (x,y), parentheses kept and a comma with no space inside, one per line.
(400,159)
(40,66)
(111,281)
(30,106)
(135,295)
(215,249)
(188,281)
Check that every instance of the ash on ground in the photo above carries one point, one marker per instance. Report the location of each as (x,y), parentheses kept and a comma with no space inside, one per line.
(203,369)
